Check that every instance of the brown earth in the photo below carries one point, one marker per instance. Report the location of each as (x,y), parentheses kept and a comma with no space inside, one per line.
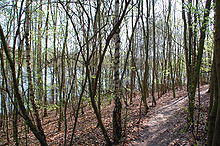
(164,125)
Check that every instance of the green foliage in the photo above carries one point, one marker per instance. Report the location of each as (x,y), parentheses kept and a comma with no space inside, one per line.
(207,57)
(166,72)
(107,98)
(93,76)
(81,78)
(86,99)
(205,69)
(131,67)
(52,106)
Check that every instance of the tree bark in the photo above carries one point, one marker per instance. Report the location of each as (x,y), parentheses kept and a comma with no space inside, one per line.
(216,137)
(154,57)
(117,128)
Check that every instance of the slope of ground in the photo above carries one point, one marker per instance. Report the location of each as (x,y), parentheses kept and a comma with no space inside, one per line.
(164,124)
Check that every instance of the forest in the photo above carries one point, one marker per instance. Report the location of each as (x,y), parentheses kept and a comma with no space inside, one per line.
(110,72)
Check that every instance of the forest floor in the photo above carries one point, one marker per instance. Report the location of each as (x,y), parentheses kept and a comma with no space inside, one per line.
(164,124)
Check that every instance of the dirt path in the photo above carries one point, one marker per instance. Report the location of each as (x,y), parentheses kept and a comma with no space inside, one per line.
(166,123)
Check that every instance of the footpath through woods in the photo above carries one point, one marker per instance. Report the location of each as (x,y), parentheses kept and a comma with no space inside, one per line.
(164,125)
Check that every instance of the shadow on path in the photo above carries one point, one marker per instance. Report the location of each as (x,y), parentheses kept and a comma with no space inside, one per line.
(166,124)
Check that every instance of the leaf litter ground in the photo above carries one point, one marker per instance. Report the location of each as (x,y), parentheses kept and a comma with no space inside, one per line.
(164,124)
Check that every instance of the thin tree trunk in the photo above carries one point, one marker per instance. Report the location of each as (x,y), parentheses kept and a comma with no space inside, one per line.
(45,61)
(145,93)
(39,75)
(117,127)
(29,72)
(154,57)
